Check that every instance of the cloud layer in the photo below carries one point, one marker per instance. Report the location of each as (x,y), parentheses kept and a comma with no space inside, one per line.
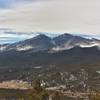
(51,15)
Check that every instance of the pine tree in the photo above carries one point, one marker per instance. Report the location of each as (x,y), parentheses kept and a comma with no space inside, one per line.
(38,93)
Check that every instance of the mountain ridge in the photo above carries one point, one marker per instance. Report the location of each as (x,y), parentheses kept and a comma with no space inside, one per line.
(43,42)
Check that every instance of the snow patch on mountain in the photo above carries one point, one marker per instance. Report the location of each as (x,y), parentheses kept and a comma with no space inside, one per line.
(24,48)
(58,48)
(89,45)
(3,47)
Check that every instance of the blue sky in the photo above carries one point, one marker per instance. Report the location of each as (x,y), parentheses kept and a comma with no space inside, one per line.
(57,16)
(4,3)
(8,3)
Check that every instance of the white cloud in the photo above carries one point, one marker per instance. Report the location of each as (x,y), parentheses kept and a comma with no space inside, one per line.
(53,16)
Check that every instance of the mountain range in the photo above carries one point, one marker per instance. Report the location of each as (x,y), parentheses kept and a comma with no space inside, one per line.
(42,42)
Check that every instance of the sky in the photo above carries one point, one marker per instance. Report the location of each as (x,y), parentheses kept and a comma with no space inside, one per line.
(57,16)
